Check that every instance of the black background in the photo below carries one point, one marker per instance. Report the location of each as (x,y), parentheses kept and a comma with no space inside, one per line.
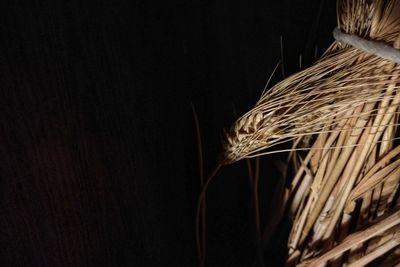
(98,144)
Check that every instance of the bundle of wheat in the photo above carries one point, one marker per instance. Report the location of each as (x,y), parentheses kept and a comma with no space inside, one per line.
(344,196)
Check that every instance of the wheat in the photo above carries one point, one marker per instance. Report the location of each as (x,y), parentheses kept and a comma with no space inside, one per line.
(346,107)
(342,79)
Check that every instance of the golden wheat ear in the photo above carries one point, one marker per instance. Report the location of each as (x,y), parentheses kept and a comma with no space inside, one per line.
(348,103)
(341,80)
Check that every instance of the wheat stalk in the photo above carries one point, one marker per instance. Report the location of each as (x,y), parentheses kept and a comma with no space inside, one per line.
(341,80)
(346,108)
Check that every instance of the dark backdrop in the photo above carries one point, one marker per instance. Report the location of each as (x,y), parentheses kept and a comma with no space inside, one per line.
(98,163)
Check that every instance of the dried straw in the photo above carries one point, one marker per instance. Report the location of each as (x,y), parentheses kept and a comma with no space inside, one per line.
(346,105)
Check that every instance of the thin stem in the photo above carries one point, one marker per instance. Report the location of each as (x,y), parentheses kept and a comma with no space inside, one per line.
(250,173)
(201,253)
(202,241)
(257,211)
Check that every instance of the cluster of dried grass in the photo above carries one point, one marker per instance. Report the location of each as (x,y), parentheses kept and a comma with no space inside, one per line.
(344,196)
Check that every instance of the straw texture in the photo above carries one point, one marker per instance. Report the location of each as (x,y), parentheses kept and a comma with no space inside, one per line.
(340,117)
